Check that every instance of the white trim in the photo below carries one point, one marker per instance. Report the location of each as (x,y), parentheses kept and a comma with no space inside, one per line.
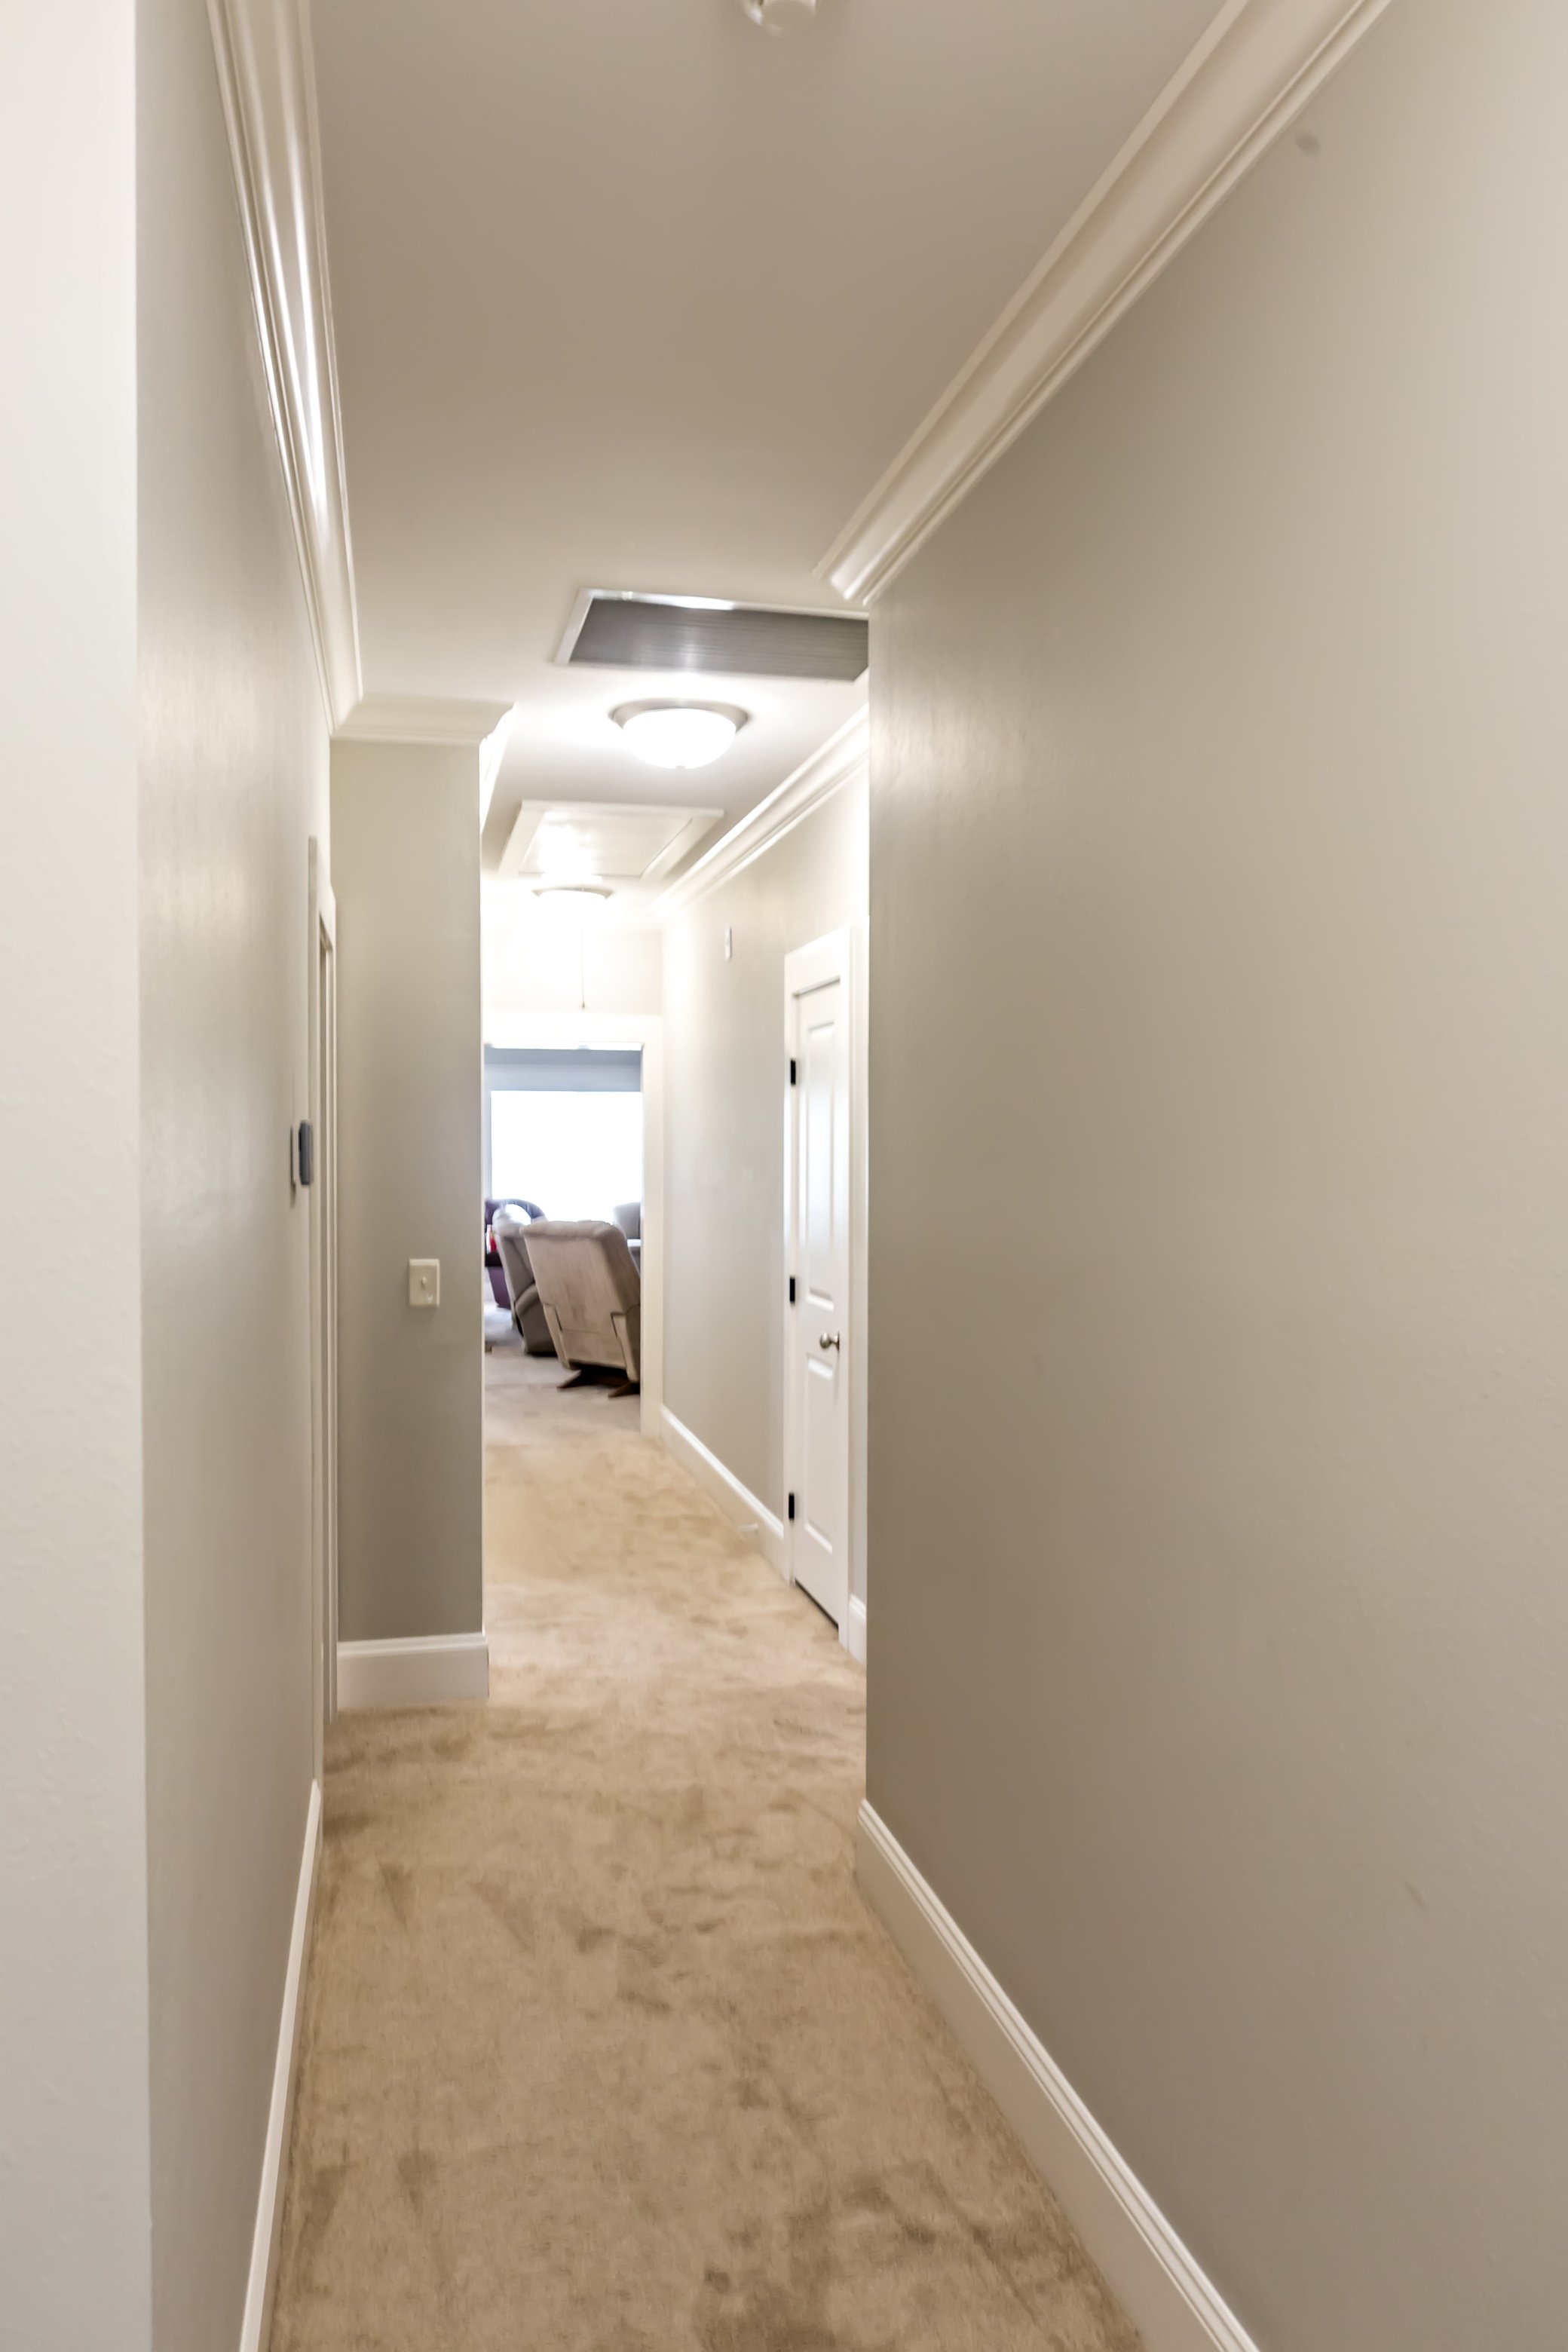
(854,1632)
(736,1501)
(565,1028)
(267,77)
(262,2283)
(431,1670)
(1157,2281)
(834,763)
(1255,68)
(647,1030)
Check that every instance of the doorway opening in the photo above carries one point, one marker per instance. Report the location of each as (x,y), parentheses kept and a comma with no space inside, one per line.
(573,1133)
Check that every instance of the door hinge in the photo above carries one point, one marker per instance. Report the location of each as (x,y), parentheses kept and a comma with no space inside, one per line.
(792,1290)
(792,1076)
(791,1506)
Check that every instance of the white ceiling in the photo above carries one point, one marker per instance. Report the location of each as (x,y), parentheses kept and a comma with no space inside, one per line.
(628,295)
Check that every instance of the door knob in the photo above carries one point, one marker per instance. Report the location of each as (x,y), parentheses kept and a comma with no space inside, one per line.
(828,1340)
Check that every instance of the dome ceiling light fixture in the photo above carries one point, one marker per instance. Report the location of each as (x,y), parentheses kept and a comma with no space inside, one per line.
(679,734)
(781,16)
(596,890)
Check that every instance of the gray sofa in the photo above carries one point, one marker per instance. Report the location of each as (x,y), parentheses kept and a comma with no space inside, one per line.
(527,1311)
(628,1215)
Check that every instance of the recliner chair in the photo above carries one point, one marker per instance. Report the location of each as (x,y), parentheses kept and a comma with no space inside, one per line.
(590,1294)
(527,1312)
(508,1202)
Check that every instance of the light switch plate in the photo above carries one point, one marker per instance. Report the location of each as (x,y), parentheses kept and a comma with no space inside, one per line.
(425,1282)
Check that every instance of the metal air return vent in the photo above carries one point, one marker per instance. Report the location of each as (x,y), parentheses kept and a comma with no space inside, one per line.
(612,630)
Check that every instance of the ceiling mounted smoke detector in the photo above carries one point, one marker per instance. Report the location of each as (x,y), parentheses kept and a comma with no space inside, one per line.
(780,17)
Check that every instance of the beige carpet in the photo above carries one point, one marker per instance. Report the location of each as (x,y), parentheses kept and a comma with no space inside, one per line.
(603,2051)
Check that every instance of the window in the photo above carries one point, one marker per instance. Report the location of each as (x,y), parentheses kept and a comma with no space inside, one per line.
(575,1146)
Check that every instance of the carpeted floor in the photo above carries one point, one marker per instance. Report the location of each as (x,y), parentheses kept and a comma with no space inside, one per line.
(603,2051)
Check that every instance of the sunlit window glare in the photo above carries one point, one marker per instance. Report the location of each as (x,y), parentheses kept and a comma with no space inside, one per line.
(578,1155)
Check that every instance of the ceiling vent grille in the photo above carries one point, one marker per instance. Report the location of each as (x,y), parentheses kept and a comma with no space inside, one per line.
(614,631)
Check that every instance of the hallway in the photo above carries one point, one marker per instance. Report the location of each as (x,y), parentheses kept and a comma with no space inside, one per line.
(602,2050)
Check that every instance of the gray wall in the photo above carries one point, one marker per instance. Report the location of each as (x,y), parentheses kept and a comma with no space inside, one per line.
(1219,1652)
(405,869)
(74,2273)
(233,782)
(164,759)
(724,1049)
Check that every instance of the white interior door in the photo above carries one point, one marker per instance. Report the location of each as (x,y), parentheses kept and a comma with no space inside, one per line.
(818,1454)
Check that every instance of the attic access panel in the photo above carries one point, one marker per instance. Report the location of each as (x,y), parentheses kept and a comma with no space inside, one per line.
(589,842)
(610,630)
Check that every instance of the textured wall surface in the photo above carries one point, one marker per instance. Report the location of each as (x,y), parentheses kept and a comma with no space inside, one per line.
(234,782)
(73,1889)
(1219,854)
(406,867)
(724,1045)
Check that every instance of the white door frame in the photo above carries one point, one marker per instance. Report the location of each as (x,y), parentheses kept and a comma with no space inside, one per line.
(647,1030)
(322,937)
(837,956)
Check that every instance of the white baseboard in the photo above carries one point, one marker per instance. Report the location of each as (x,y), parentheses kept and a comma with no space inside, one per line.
(258,2320)
(433,1670)
(855,1629)
(1156,2281)
(737,1502)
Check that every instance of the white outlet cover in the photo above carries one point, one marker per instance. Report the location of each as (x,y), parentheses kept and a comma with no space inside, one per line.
(425,1282)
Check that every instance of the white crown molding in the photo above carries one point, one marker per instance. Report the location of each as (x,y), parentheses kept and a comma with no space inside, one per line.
(838,761)
(266,75)
(1159,2282)
(421,718)
(1258,65)
(434,718)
